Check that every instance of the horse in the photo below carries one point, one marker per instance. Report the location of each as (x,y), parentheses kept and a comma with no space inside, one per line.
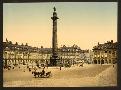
(44,75)
(41,74)
(48,74)
(36,73)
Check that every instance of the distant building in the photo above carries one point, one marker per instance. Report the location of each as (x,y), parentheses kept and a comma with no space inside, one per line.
(23,54)
(105,53)
(69,54)
(87,56)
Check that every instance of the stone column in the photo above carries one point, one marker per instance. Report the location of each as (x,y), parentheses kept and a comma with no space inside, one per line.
(54,57)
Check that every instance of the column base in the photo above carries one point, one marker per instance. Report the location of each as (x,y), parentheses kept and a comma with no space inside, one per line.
(54,60)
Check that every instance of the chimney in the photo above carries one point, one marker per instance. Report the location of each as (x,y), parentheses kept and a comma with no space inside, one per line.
(41,46)
(98,43)
(111,41)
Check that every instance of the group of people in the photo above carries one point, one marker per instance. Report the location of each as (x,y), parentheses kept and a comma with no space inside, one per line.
(9,67)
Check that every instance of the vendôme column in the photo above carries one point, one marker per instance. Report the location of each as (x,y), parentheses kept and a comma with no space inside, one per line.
(54,58)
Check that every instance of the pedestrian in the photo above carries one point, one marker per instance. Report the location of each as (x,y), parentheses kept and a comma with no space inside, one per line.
(24,69)
(113,65)
(29,69)
(43,72)
(60,67)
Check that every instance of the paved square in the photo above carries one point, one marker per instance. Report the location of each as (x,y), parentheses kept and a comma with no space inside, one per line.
(88,76)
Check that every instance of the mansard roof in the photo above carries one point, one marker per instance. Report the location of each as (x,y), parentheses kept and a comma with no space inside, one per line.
(45,50)
(108,45)
(22,47)
(70,47)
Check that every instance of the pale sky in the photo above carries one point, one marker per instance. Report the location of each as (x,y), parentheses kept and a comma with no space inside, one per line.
(81,23)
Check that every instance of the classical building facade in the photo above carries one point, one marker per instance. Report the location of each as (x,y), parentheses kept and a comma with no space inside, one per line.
(24,54)
(69,54)
(87,56)
(105,53)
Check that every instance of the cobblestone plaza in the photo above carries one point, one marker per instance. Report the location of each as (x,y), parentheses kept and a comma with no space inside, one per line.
(87,76)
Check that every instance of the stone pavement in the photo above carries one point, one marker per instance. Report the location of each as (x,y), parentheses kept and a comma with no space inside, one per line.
(87,76)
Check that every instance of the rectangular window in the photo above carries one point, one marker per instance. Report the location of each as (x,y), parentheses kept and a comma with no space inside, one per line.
(110,52)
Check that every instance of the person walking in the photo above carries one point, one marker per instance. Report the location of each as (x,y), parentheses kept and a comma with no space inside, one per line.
(43,71)
(113,65)
(60,67)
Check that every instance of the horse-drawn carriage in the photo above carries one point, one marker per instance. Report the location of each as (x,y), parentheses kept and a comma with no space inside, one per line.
(42,74)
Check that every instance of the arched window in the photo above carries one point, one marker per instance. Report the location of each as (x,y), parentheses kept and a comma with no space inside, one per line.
(95,61)
(102,61)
